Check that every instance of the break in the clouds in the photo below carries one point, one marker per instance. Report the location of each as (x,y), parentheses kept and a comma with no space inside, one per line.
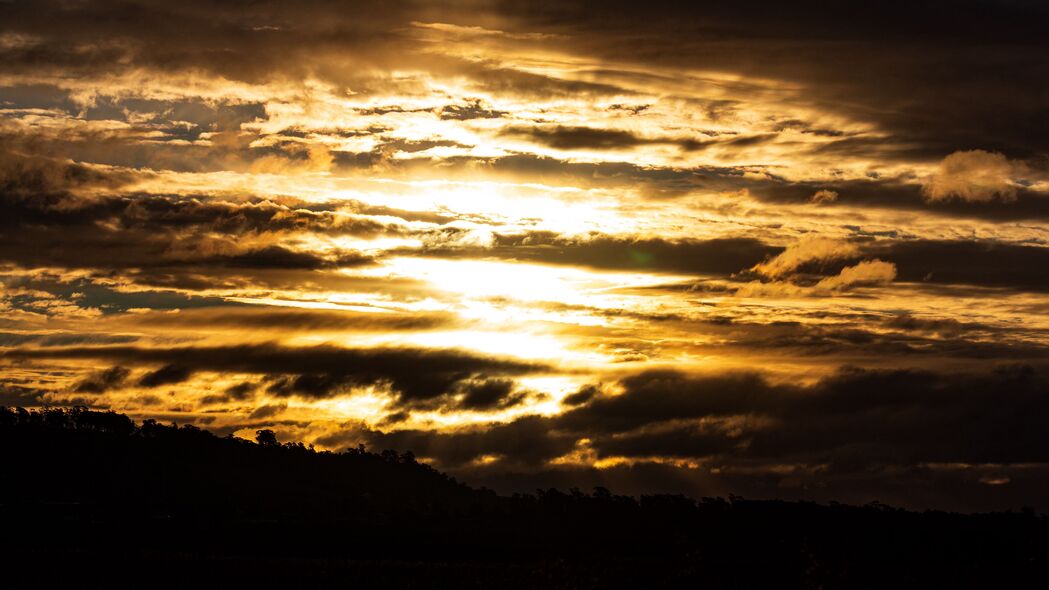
(751,248)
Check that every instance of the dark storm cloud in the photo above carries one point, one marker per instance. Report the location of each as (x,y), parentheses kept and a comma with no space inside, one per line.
(944,262)
(717,256)
(158,232)
(662,183)
(253,43)
(166,375)
(241,391)
(103,381)
(571,138)
(887,339)
(489,394)
(582,396)
(29,172)
(895,194)
(906,66)
(650,181)
(71,339)
(107,300)
(980,263)
(658,397)
(577,137)
(983,263)
(861,426)
(19,396)
(517,83)
(265,318)
(416,376)
(347,43)
(171,116)
(473,109)
(268,411)
(855,416)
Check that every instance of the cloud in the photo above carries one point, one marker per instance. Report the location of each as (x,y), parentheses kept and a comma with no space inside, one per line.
(805,250)
(899,194)
(985,263)
(823,196)
(973,175)
(720,256)
(103,381)
(868,272)
(183,238)
(863,428)
(489,394)
(266,318)
(28,171)
(473,109)
(166,375)
(583,395)
(860,79)
(576,138)
(268,411)
(416,376)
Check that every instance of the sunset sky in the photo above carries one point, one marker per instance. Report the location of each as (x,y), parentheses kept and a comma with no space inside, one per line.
(774,249)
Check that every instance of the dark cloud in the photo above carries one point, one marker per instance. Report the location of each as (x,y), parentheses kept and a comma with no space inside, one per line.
(12,339)
(241,391)
(855,416)
(489,394)
(882,340)
(182,118)
(984,263)
(166,375)
(20,396)
(268,411)
(30,175)
(176,236)
(902,66)
(248,43)
(722,256)
(473,109)
(861,428)
(103,381)
(573,138)
(265,318)
(582,396)
(518,83)
(896,194)
(416,376)
(921,80)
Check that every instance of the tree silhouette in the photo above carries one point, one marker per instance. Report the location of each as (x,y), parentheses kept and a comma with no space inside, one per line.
(81,487)
(266,438)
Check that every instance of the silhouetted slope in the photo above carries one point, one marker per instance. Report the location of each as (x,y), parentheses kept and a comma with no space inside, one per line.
(94,499)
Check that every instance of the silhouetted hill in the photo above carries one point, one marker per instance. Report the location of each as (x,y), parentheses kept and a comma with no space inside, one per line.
(94,500)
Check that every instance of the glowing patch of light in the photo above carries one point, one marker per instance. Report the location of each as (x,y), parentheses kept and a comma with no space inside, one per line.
(519,281)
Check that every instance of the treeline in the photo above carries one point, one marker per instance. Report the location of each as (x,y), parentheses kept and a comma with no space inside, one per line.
(95,499)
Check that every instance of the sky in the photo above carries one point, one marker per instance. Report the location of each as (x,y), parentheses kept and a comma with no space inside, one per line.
(778,250)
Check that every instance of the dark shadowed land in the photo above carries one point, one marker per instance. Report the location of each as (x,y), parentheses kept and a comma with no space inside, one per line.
(92,499)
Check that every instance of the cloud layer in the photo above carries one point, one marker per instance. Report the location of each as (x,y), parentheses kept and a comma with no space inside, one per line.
(745,248)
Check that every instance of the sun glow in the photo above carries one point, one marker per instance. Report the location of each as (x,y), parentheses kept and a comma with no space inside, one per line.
(519,281)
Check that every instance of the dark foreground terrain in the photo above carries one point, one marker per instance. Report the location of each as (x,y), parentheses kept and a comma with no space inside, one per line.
(90,499)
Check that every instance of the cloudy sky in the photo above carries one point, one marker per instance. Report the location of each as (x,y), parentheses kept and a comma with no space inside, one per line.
(777,251)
